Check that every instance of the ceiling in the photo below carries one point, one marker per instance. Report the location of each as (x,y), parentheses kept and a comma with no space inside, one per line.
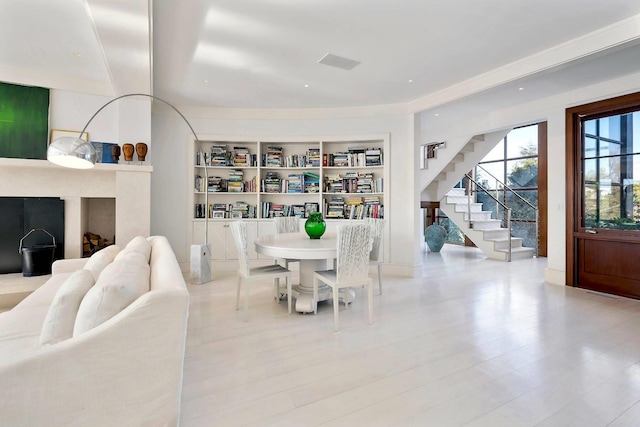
(263,54)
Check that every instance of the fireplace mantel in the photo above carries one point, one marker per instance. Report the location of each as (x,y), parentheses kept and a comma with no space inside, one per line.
(129,185)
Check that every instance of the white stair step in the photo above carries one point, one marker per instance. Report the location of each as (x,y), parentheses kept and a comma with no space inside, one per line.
(499,244)
(519,253)
(464,207)
(495,234)
(456,192)
(478,216)
(491,224)
(457,200)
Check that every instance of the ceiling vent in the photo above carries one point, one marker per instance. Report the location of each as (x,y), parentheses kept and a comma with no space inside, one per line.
(338,61)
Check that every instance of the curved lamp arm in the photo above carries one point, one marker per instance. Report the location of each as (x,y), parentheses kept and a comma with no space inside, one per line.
(77,153)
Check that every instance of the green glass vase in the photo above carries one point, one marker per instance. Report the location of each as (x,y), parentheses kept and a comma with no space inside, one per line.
(315,225)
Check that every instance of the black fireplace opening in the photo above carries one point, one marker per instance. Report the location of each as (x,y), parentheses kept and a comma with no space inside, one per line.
(18,216)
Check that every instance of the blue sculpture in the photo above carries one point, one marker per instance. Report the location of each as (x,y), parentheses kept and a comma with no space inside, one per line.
(435,235)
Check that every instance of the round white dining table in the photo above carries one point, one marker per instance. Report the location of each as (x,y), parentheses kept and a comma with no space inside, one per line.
(313,254)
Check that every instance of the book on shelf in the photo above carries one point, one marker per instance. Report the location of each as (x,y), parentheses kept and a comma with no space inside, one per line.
(271,183)
(199,184)
(199,210)
(241,157)
(201,158)
(276,210)
(310,207)
(242,209)
(217,185)
(373,157)
(354,157)
(297,210)
(295,161)
(219,155)
(235,183)
(295,183)
(313,158)
(311,182)
(274,157)
(335,207)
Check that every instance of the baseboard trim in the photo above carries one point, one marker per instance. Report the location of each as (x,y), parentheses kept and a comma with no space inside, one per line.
(555,277)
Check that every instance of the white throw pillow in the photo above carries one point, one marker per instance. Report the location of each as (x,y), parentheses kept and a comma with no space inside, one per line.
(119,284)
(98,261)
(137,244)
(61,317)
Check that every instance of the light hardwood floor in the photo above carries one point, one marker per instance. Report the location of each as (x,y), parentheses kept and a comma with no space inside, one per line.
(473,342)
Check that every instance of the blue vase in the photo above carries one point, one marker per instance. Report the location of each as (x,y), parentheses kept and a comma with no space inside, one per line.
(435,235)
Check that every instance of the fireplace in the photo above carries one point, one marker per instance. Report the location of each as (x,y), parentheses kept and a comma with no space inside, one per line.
(20,215)
(112,198)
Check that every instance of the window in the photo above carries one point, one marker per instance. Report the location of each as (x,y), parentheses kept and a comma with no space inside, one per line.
(513,161)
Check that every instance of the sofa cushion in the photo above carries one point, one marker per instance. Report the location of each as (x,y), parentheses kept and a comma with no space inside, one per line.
(44,295)
(137,244)
(61,317)
(98,261)
(119,284)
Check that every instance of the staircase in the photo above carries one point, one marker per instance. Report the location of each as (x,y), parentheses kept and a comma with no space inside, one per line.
(452,160)
(486,233)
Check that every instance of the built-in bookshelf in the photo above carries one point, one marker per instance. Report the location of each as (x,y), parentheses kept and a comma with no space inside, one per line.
(258,179)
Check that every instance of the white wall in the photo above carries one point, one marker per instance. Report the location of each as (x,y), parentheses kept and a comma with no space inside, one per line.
(125,120)
(171,181)
(551,109)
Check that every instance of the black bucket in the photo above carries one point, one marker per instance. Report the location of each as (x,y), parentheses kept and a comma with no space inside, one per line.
(37,259)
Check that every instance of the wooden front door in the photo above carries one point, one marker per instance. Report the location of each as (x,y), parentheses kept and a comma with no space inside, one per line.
(603,197)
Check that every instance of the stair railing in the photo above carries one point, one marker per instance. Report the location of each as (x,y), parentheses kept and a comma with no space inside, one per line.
(505,187)
(507,211)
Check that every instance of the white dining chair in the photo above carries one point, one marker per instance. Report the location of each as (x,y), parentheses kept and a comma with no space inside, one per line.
(352,269)
(286,224)
(247,274)
(375,257)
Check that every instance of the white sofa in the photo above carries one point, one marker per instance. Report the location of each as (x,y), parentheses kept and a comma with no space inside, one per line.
(66,361)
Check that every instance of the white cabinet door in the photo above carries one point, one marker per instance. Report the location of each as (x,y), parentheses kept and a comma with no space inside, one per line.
(223,248)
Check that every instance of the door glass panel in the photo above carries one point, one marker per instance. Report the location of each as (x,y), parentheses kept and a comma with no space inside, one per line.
(610,127)
(609,202)
(590,145)
(609,148)
(590,205)
(611,174)
(590,170)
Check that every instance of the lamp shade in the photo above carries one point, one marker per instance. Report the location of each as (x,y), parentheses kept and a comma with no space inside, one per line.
(71,152)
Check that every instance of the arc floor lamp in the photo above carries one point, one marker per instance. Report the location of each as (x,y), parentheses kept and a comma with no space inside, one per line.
(74,152)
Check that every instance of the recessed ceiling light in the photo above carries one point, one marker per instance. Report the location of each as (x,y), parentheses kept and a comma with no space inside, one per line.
(205,81)
(436,114)
(520,88)
(410,81)
(78,54)
(306,85)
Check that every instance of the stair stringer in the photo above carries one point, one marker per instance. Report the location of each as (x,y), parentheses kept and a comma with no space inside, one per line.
(444,157)
(476,236)
(481,147)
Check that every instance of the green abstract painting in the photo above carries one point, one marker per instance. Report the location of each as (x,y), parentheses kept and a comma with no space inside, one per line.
(24,121)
